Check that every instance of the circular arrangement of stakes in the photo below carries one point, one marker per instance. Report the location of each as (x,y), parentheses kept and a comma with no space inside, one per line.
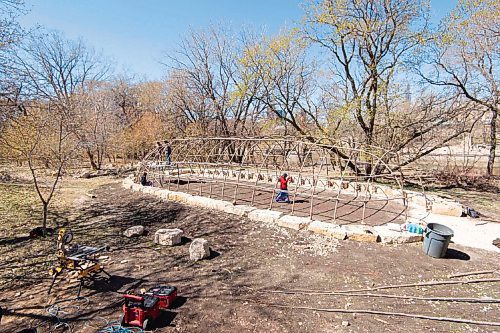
(334,181)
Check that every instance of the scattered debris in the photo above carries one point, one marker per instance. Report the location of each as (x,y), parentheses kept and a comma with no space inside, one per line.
(496,242)
(470,212)
(384,313)
(469,273)
(105,172)
(38,232)
(5,177)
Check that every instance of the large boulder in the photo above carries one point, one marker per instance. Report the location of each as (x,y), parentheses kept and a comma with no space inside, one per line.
(136,187)
(168,237)
(127,183)
(135,231)
(199,249)
(417,200)
(163,194)
(150,190)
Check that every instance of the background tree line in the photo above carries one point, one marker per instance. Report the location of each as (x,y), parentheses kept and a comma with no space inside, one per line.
(371,70)
(374,72)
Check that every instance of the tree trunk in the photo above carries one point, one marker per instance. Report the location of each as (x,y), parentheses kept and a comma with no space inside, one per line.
(91,159)
(493,144)
(45,215)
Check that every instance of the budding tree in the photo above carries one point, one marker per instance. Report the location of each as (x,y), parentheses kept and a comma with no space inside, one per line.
(371,43)
(53,71)
(464,57)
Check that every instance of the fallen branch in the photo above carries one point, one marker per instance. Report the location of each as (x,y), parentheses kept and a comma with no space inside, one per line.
(394,286)
(470,273)
(420,298)
(382,321)
(385,313)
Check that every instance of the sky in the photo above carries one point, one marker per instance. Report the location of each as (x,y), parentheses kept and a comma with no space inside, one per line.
(136,34)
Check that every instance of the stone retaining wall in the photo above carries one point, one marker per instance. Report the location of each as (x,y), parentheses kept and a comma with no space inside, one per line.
(418,202)
(362,233)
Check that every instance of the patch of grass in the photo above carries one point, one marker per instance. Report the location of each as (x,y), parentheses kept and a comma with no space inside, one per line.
(484,202)
(18,208)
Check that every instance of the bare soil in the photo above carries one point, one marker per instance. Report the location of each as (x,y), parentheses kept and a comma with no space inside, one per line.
(225,292)
(349,209)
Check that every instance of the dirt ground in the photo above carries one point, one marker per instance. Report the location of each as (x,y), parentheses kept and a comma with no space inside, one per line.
(227,292)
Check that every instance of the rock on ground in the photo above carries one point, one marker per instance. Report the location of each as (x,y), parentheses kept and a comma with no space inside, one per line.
(137,230)
(199,249)
(447,208)
(327,229)
(361,233)
(390,236)
(168,236)
(179,197)
(264,215)
(240,210)
(294,222)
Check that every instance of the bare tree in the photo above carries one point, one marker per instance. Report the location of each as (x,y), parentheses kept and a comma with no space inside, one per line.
(370,44)
(125,96)
(464,57)
(208,63)
(287,83)
(10,31)
(368,41)
(185,110)
(44,139)
(97,117)
(10,36)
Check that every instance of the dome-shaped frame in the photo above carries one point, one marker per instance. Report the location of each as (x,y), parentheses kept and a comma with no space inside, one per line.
(336,181)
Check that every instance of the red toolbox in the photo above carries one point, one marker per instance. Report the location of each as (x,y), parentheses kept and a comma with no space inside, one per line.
(166,295)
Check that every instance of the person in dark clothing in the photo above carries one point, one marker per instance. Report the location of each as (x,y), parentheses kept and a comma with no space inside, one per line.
(145,181)
(283,194)
(168,152)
